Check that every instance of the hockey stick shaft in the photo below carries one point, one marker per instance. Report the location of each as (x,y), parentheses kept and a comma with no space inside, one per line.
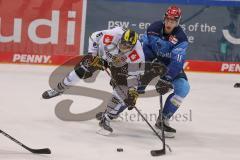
(148,123)
(161,111)
(37,151)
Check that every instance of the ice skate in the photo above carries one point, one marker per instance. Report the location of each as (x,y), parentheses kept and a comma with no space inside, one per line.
(168,130)
(105,129)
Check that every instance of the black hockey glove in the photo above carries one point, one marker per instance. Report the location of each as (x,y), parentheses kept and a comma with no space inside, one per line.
(159,68)
(98,63)
(163,86)
(131,98)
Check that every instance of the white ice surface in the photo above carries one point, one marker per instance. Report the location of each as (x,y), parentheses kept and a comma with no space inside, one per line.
(212,133)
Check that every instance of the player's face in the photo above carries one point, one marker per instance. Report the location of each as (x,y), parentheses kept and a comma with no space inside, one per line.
(170,24)
(125,47)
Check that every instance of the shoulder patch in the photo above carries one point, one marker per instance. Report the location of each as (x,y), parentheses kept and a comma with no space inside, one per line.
(173,39)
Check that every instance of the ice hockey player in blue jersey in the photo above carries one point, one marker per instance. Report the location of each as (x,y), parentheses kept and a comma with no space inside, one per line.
(166,43)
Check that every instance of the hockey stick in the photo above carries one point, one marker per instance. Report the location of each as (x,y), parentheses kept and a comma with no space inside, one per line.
(162,151)
(35,151)
(153,152)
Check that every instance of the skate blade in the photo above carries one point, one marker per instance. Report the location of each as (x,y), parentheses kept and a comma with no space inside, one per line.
(103,132)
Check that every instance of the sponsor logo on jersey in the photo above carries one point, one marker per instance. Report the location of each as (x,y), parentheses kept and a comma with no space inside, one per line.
(134,56)
(107,39)
(165,55)
(173,39)
(28,58)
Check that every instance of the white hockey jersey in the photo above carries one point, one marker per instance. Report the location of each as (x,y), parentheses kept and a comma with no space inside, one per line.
(105,44)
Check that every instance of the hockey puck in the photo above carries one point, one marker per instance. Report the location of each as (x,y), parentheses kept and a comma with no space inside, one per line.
(237,85)
(120,149)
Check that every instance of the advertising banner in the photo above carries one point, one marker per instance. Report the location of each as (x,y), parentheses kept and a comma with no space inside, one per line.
(213,31)
(33,31)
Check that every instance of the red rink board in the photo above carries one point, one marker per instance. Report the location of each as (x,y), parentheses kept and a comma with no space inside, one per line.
(209,66)
(198,66)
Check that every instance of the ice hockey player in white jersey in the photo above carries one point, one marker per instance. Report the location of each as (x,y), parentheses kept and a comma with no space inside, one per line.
(120,51)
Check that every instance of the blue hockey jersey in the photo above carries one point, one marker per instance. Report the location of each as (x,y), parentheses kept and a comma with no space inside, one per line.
(168,49)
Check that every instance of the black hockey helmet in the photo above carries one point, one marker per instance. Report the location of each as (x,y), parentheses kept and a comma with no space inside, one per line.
(128,41)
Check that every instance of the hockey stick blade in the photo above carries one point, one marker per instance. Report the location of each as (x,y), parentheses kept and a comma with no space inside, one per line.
(40,151)
(35,151)
(158,152)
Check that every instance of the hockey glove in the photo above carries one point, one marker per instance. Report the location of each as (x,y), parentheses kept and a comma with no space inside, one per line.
(159,68)
(98,63)
(131,98)
(163,86)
